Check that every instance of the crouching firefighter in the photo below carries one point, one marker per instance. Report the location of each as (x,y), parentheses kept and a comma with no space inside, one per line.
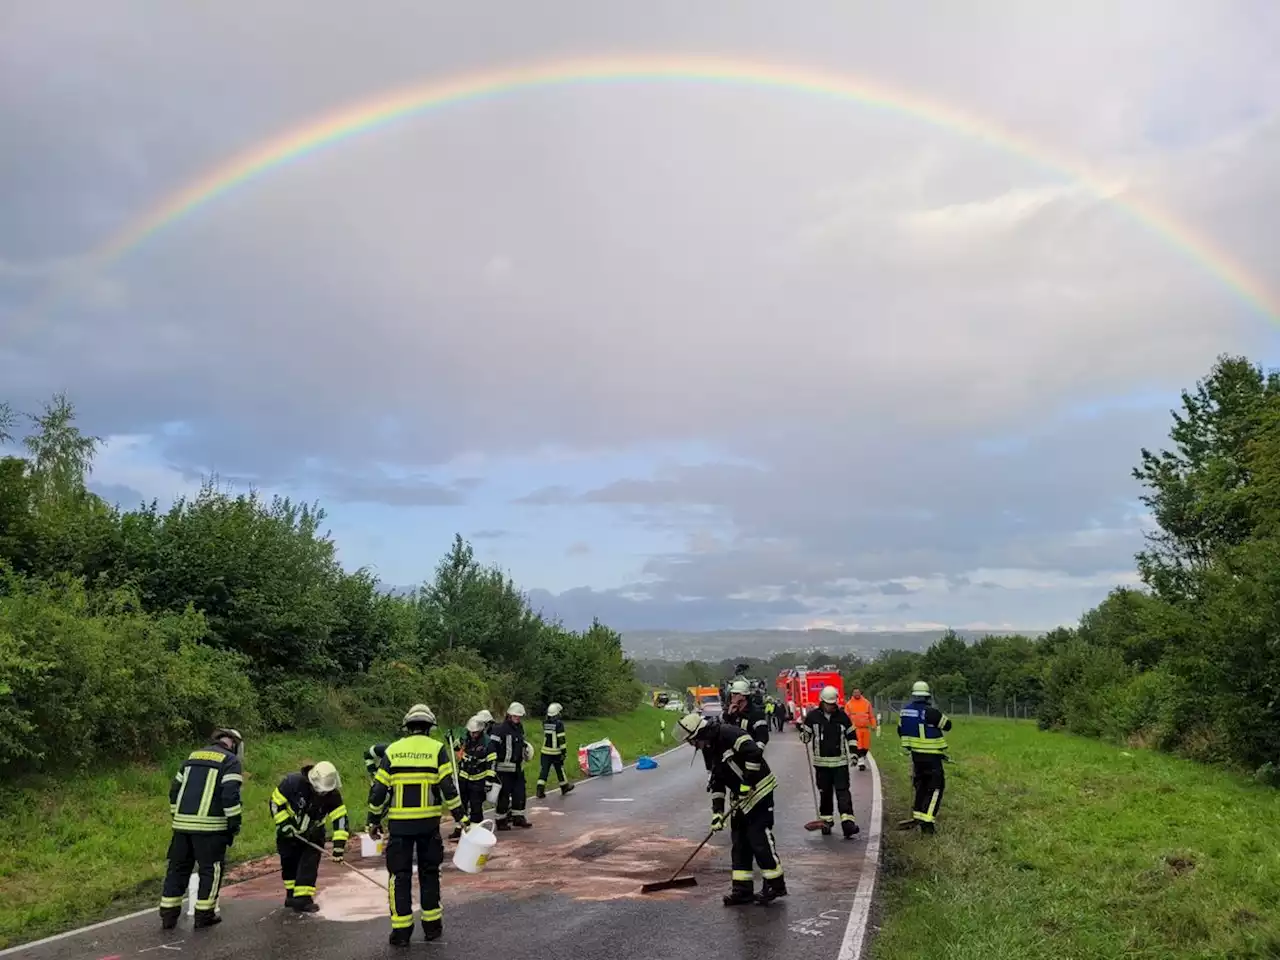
(411,790)
(302,806)
(739,773)
(829,732)
(475,772)
(204,801)
(923,728)
(512,752)
(554,743)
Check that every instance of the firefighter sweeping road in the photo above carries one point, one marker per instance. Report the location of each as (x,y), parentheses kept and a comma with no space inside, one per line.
(568,887)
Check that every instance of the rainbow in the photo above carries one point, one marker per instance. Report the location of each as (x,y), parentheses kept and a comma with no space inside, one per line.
(383,110)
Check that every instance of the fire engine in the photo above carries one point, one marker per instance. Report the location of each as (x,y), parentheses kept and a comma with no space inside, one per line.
(802,687)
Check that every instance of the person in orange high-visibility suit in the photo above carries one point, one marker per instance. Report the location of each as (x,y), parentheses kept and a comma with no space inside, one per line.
(863,714)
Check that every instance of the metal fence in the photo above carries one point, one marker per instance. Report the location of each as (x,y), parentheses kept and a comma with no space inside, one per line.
(961,706)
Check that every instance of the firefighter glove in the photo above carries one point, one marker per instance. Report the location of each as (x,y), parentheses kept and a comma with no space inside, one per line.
(805,735)
(717,822)
(287,829)
(375,831)
(339,851)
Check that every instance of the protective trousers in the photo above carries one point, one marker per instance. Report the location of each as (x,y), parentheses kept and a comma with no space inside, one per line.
(473,793)
(864,741)
(552,761)
(829,780)
(400,851)
(299,865)
(511,798)
(930,781)
(206,852)
(751,837)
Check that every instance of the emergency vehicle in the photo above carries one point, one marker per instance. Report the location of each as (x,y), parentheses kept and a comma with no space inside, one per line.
(803,686)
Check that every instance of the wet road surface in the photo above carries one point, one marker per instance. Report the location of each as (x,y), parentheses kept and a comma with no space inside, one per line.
(569,887)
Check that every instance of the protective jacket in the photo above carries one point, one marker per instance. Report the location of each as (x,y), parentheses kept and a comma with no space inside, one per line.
(554,739)
(753,721)
(739,771)
(414,786)
(477,758)
(510,747)
(296,803)
(861,711)
(831,733)
(204,796)
(922,728)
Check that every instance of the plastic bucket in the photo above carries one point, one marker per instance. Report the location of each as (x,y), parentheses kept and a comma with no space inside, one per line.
(369,847)
(495,788)
(474,847)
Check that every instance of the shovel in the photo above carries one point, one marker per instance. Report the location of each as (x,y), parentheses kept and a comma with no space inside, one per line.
(313,846)
(678,882)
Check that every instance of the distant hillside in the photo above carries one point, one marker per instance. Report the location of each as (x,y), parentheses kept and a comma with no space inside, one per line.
(714,645)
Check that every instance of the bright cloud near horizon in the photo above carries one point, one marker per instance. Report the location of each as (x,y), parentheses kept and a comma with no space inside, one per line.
(680,355)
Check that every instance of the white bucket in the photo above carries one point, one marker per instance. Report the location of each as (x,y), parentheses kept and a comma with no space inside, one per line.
(495,788)
(474,847)
(369,847)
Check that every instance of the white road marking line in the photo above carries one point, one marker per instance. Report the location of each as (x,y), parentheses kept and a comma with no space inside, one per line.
(855,934)
(9,951)
(617,800)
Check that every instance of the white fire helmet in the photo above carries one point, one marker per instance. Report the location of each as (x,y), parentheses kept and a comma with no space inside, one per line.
(324,777)
(475,724)
(516,709)
(740,686)
(829,694)
(688,727)
(554,709)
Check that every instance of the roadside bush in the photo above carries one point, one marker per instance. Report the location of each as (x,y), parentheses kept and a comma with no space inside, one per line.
(1154,707)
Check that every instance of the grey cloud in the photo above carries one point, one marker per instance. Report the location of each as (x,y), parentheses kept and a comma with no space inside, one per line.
(121,495)
(576,608)
(490,534)
(578,549)
(547,496)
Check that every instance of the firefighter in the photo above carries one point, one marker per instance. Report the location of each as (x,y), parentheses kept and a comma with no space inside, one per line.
(863,714)
(830,731)
(743,714)
(770,713)
(302,806)
(554,744)
(412,789)
(512,752)
(923,729)
(739,770)
(204,801)
(475,772)
(373,758)
(487,719)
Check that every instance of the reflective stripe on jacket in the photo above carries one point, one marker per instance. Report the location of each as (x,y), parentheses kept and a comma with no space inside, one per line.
(204,796)
(923,728)
(554,739)
(414,785)
(295,801)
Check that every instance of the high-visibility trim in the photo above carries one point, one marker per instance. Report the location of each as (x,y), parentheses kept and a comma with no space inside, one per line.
(168,903)
(847,818)
(436,913)
(336,812)
(301,891)
(288,885)
(743,876)
(235,811)
(232,778)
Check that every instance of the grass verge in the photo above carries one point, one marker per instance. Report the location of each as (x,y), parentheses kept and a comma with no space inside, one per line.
(81,849)
(1054,846)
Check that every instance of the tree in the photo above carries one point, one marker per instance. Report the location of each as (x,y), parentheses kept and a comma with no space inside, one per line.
(61,457)
(1198,492)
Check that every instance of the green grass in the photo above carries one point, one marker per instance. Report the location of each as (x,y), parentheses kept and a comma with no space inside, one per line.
(1054,846)
(81,849)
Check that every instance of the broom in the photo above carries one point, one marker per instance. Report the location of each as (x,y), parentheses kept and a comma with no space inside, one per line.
(819,823)
(380,886)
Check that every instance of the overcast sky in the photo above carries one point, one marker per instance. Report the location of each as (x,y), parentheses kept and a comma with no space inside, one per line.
(675,354)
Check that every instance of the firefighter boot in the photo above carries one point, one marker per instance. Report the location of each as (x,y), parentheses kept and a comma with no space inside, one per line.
(740,893)
(432,929)
(907,824)
(771,890)
(565,788)
(401,937)
(541,792)
(851,829)
(206,918)
(457,832)
(169,917)
(928,828)
(502,825)
(521,822)
(304,905)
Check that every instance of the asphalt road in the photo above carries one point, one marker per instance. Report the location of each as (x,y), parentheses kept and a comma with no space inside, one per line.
(567,887)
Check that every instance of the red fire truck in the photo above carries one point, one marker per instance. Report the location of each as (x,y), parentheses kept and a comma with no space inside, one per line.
(801,687)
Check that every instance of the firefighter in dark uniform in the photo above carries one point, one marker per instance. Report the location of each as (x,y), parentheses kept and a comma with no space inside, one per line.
(302,806)
(739,772)
(554,743)
(923,729)
(745,715)
(412,789)
(831,734)
(373,758)
(475,772)
(513,751)
(204,801)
